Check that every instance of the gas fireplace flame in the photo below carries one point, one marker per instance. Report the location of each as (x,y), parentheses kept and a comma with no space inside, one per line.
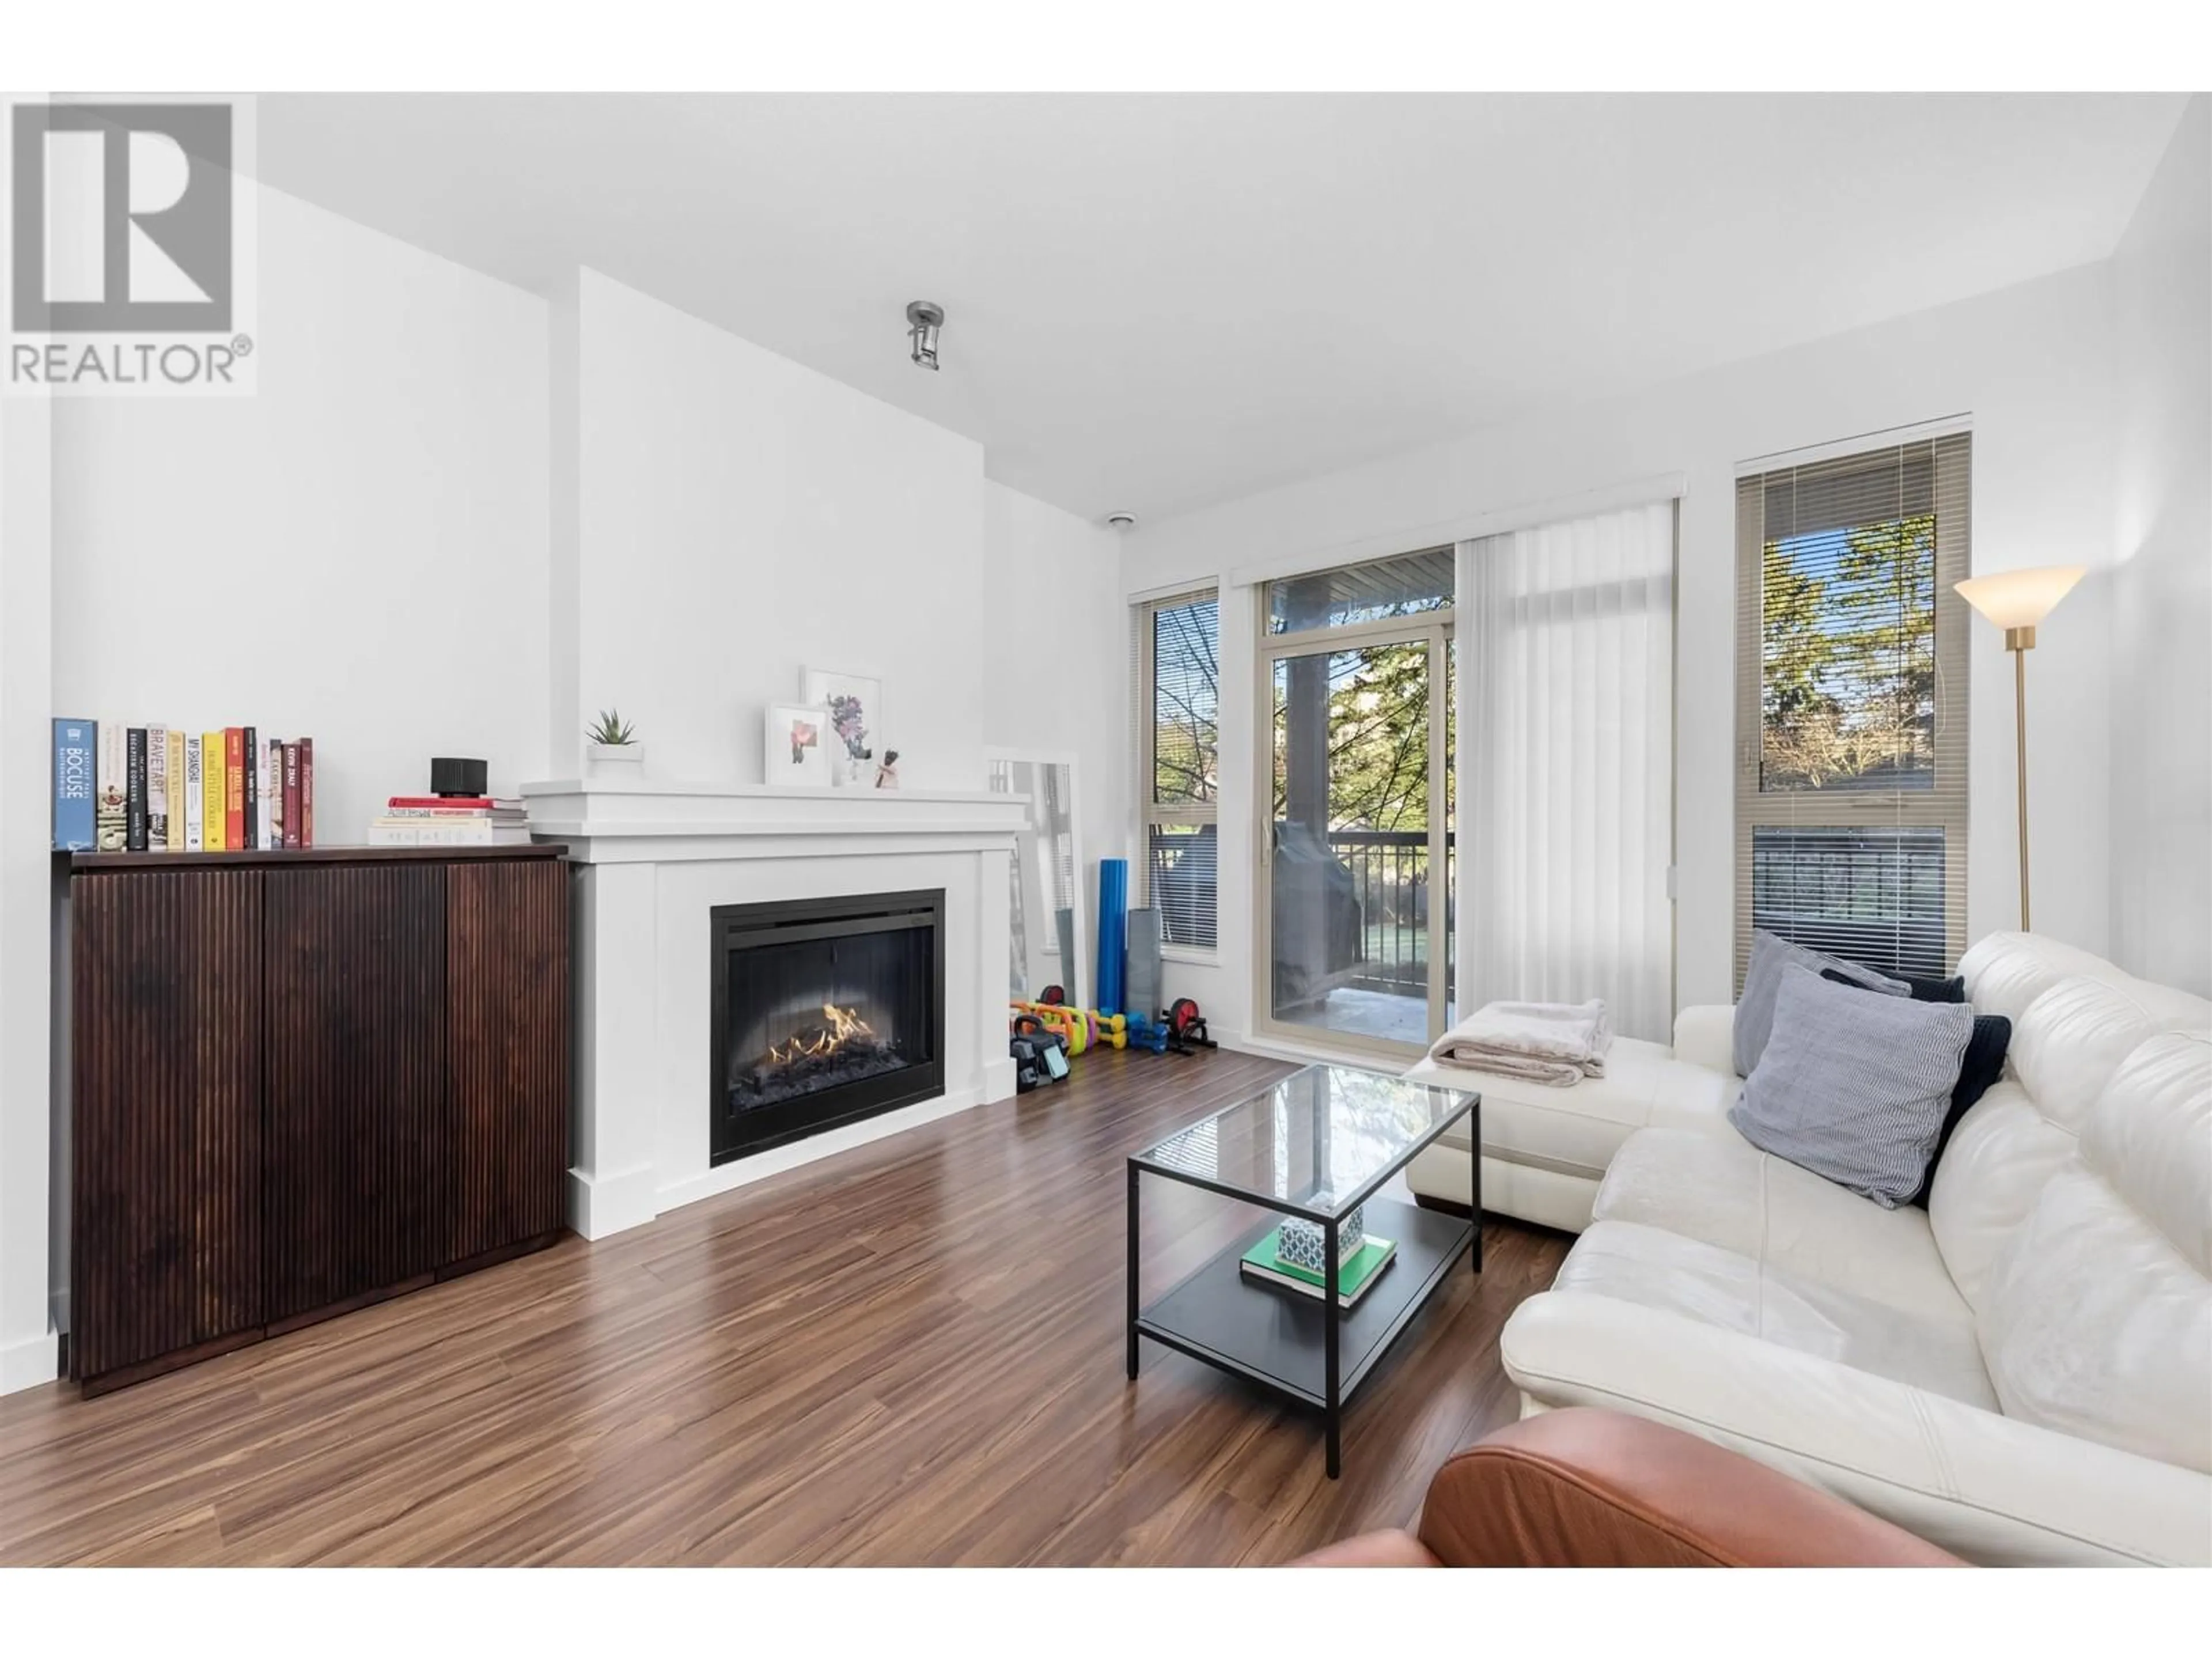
(840,1026)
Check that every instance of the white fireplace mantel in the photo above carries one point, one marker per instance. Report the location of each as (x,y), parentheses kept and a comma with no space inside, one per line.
(655,859)
(613,822)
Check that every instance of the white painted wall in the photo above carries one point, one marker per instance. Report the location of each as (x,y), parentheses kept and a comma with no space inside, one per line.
(564,701)
(741,518)
(2030,363)
(2161,577)
(358,553)
(26,1341)
(1055,663)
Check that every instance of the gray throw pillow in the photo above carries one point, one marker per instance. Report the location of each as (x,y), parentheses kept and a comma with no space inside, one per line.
(1754,1009)
(1853,1087)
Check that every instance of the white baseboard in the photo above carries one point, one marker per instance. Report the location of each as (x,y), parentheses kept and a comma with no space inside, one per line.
(743,1172)
(601,1205)
(29,1362)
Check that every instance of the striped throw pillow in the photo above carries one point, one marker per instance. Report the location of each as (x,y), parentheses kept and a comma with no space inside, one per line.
(1853,1087)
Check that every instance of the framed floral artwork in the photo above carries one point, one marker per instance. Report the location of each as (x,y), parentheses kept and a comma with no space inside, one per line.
(854,703)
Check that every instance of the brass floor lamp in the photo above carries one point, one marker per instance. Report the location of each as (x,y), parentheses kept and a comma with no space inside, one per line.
(2017,600)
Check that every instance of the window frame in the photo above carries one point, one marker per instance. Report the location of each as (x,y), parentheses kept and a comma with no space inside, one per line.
(1152,813)
(1944,803)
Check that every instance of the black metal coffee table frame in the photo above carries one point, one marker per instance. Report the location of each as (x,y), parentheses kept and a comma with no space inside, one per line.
(1308,1350)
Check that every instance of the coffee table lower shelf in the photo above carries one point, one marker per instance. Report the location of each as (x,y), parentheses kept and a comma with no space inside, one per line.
(1276,1338)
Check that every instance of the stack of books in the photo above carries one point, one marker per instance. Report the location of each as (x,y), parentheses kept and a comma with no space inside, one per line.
(157,788)
(1264,1264)
(451,820)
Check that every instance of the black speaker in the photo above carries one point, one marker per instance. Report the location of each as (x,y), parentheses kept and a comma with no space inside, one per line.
(449,776)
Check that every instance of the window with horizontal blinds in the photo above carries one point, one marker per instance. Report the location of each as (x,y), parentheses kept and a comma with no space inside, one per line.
(1177,672)
(1851,705)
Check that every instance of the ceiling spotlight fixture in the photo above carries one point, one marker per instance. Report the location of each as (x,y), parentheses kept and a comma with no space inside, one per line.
(923,318)
(1121,522)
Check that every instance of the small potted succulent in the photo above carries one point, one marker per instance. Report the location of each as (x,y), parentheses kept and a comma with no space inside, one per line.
(613,742)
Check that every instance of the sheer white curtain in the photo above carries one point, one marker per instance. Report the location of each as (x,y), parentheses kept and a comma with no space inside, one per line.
(1565,641)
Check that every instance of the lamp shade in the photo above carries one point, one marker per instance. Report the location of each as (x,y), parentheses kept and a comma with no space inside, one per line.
(2020,598)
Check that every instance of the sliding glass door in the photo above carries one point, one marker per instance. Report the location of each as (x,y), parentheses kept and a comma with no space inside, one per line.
(1355,876)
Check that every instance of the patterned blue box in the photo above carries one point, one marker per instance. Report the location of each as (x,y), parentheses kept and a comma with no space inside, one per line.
(1300,1242)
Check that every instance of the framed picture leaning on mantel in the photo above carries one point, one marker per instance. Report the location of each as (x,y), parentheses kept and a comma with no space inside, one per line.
(857,732)
(795,741)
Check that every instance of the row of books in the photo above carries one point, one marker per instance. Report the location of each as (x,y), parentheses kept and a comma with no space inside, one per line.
(157,788)
(451,820)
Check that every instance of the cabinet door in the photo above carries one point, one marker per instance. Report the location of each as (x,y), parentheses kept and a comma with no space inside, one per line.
(355,970)
(506,1035)
(165,976)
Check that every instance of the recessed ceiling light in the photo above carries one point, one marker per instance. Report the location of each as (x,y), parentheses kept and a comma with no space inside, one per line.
(1121,522)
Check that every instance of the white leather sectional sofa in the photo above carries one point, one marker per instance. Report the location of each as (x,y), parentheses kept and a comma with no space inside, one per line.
(2020,1373)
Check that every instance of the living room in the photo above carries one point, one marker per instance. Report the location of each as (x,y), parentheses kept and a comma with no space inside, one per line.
(768,828)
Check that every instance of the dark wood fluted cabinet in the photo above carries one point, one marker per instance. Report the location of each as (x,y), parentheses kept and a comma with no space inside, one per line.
(302,1082)
(359,1126)
(166,1145)
(506,1048)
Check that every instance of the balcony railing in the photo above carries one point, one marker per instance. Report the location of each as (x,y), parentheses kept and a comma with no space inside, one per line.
(1873,896)
(1390,873)
(1390,877)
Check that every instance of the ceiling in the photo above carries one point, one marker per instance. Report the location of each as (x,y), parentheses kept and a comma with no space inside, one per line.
(1157,302)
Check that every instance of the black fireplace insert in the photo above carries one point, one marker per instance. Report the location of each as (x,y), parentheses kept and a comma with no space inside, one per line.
(825,1011)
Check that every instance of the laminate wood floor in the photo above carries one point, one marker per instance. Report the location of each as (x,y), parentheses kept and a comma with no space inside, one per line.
(909,1353)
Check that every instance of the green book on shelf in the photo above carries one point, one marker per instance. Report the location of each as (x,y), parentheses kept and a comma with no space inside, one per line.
(1354,1279)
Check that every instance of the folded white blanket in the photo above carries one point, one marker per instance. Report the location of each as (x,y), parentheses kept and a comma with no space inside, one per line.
(1558,1043)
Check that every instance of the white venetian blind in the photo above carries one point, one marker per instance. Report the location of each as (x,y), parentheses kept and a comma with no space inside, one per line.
(1175,669)
(1851,705)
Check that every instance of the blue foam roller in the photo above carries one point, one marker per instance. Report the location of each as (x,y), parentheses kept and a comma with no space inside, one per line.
(1113,923)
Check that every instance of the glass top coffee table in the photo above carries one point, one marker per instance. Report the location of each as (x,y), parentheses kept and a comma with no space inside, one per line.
(1314,1145)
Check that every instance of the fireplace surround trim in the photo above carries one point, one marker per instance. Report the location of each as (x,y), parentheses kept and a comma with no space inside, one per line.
(650,860)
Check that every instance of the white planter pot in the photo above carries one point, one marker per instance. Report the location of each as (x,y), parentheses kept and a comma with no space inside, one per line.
(617,760)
